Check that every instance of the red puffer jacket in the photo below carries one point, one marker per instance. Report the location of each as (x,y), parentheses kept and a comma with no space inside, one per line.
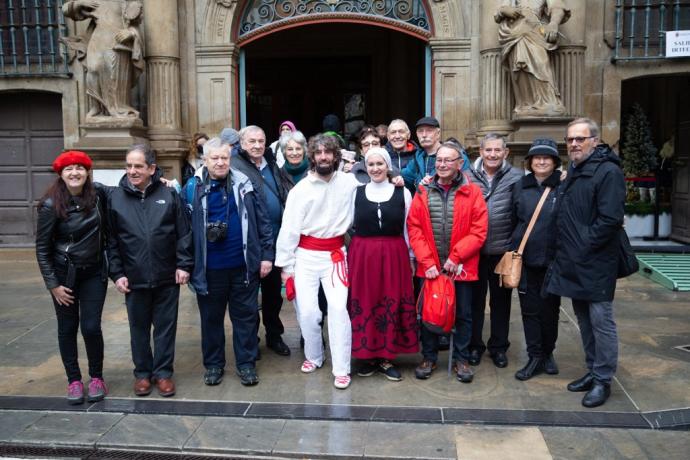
(470,223)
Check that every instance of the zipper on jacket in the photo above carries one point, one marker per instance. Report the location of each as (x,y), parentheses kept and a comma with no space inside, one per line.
(444,197)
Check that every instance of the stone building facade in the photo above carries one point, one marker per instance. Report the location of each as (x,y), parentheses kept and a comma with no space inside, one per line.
(216,63)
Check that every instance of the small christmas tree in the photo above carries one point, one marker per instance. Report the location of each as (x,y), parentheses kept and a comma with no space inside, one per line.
(639,152)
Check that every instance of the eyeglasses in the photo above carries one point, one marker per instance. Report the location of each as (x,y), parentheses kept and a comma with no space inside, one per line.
(442,161)
(578,139)
(371,144)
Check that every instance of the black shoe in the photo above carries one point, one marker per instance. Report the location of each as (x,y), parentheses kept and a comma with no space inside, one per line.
(248,376)
(424,370)
(500,359)
(550,366)
(279,347)
(584,383)
(533,367)
(475,357)
(389,371)
(463,371)
(444,342)
(213,376)
(598,395)
(367,368)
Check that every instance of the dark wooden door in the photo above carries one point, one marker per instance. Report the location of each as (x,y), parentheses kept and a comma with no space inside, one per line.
(30,139)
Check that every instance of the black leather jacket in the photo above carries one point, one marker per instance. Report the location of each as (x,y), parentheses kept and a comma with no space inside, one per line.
(78,239)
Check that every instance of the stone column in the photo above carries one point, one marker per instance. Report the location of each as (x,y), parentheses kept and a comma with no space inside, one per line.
(495,93)
(217,74)
(163,82)
(452,88)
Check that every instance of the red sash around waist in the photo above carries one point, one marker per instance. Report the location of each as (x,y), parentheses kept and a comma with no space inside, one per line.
(334,246)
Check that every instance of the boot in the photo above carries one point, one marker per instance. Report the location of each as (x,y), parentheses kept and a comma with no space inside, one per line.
(598,395)
(533,367)
(550,366)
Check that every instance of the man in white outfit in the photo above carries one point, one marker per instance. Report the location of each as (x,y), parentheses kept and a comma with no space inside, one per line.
(311,250)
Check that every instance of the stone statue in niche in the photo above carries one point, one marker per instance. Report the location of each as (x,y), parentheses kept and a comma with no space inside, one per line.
(528,31)
(112,53)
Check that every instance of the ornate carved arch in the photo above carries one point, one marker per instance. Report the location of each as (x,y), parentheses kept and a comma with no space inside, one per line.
(256,18)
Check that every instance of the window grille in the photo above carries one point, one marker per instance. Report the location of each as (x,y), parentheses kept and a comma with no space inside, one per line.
(641,27)
(29,32)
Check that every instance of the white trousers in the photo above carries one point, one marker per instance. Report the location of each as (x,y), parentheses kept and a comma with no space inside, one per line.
(312,268)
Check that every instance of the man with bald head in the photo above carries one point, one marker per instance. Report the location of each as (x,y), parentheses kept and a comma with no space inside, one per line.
(399,146)
(258,162)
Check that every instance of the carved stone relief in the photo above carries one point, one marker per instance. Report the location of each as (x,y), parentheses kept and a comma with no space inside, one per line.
(528,33)
(112,53)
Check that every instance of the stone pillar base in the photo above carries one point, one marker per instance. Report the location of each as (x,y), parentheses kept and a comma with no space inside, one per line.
(528,129)
(114,136)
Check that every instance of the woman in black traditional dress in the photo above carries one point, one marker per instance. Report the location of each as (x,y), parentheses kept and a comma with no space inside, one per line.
(381,301)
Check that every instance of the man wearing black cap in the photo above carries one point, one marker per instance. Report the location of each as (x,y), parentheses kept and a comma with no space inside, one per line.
(423,166)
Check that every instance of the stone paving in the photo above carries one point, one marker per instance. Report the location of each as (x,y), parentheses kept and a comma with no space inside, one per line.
(290,414)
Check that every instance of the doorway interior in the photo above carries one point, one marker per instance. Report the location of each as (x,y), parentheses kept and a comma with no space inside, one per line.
(666,102)
(362,73)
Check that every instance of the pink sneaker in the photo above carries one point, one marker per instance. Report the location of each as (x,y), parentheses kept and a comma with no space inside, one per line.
(75,393)
(342,381)
(97,390)
(308,367)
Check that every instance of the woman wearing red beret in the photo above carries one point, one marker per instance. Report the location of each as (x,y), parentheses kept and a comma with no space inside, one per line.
(70,248)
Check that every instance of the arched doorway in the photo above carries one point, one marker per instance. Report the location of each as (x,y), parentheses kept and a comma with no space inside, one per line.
(301,60)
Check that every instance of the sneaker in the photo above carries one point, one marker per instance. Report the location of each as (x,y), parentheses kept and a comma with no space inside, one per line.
(248,376)
(389,371)
(424,370)
(342,381)
(367,369)
(97,390)
(463,371)
(308,367)
(75,393)
(213,376)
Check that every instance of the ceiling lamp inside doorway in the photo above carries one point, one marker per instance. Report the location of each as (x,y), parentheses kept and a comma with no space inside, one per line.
(406,14)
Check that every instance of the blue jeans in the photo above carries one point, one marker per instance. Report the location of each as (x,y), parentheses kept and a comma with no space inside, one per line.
(599,337)
(462,332)
(229,290)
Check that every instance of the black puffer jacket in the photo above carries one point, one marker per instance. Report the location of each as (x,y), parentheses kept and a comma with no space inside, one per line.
(79,238)
(150,236)
(590,213)
(541,245)
(499,201)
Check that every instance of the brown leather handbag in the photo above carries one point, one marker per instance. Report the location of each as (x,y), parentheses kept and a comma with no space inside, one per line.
(509,268)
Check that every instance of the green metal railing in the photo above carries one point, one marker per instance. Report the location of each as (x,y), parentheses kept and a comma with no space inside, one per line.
(29,33)
(641,27)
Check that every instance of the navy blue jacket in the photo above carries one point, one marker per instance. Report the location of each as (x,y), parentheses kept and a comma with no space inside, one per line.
(257,239)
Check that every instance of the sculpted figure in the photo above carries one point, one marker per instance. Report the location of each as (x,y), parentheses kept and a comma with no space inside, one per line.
(528,30)
(112,51)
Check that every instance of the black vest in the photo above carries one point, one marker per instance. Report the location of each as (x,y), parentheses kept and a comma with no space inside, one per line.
(379,219)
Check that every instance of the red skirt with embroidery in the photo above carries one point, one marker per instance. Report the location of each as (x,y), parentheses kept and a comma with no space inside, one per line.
(381,299)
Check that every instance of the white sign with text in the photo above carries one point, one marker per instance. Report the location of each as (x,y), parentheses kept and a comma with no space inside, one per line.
(678,43)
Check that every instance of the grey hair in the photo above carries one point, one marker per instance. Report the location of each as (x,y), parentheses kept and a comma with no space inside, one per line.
(399,120)
(214,143)
(296,136)
(591,124)
(493,137)
(248,129)
(149,153)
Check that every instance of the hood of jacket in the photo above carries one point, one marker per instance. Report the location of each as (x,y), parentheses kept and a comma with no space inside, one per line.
(602,153)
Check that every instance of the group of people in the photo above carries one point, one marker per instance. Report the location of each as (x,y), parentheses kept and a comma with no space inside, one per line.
(351,243)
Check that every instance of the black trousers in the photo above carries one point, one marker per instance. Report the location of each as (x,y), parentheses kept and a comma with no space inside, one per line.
(271,304)
(539,315)
(158,308)
(499,302)
(89,295)
(228,290)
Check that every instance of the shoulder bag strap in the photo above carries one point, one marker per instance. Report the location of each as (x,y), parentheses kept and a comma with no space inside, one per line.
(532,221)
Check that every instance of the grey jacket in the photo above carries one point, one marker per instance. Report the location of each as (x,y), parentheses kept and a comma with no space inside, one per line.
(499,202)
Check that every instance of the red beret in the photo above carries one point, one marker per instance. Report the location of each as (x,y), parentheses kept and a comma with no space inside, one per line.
(71,157)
